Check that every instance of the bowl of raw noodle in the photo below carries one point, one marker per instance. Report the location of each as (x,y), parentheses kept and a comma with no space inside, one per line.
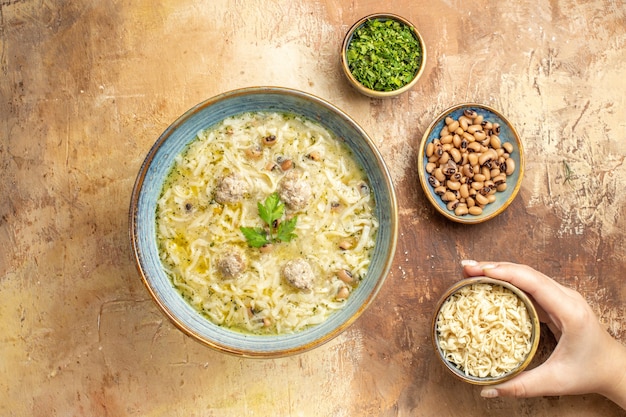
(263,222)
(485,331)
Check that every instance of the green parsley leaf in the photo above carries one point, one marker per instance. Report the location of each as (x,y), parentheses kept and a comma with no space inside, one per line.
(285,230)
(270,211)
(255,236)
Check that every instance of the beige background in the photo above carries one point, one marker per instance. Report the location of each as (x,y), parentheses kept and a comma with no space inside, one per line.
(86,87)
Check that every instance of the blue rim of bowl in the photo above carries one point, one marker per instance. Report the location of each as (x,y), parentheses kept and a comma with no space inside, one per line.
(143,234)
(344,59)
(505,198)
(533,316)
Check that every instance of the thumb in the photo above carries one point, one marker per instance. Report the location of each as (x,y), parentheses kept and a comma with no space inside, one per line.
(534,383)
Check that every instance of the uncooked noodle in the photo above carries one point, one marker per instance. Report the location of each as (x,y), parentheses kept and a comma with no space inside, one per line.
(484,329)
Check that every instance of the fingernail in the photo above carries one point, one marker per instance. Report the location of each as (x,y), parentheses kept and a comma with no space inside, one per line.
(488,266)
(489,393)
(468,262)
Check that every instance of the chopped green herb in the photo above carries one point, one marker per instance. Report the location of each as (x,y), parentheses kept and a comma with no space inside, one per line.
(568,172)
(271,211)
(384,55)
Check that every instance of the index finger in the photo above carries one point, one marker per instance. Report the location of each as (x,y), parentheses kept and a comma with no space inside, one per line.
(548,293)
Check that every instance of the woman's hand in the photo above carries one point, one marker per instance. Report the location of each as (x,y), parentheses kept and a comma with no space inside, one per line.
(586,359)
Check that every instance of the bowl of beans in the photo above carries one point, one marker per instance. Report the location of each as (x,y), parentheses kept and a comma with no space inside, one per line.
(383,55)
(471,163)
(485,331)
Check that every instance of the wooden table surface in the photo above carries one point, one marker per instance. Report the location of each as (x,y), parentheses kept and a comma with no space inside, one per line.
(86,87)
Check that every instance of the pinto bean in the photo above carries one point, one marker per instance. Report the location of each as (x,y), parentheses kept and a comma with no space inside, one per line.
(457,141)
(461,209)
(441,190)
(314,156)
(444,158)
(430,149)
(438,173)
(345,276)
(464,122)
(343,293)
(481,200)
(495,142)
(446,139)
(254,152)
(479,178)
(474,128)
(470,114)
(455,154)
(499,179)
(474,147)
(452,205)
(510,166)
(448,196)
(478,185)
(453,185)
(434,182)
(486,171)
(286,164)
(468,171)
(464,191)
(480,135)
(486,156)
(345,245)
(269,140)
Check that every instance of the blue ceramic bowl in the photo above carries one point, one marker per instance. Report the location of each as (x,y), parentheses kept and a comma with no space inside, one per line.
(507,134)
(147,190)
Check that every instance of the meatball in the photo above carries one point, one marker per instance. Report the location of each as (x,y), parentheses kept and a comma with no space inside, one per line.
(294,191)
(230,189)
(231,264)
(299,274)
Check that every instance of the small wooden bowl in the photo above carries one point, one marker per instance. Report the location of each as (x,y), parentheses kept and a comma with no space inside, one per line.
(346,68)
(455,369)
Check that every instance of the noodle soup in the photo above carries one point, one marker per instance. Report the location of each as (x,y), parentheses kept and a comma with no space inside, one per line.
(233,266)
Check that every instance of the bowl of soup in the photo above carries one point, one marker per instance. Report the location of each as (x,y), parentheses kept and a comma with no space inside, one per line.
(263,221)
